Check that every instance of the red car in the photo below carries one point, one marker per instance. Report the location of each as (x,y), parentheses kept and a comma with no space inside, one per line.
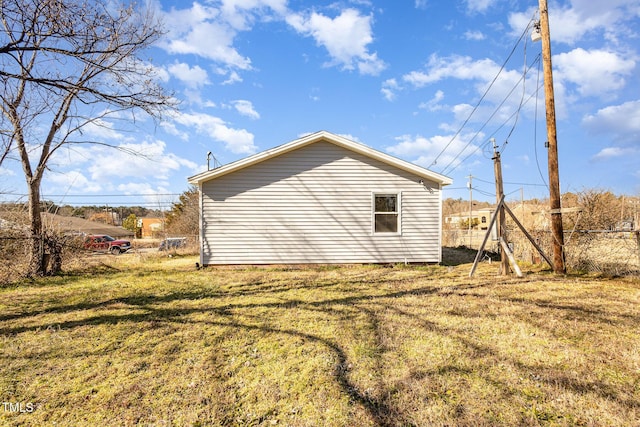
(103,242)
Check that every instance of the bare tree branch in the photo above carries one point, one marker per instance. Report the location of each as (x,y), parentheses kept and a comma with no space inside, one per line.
(64,65)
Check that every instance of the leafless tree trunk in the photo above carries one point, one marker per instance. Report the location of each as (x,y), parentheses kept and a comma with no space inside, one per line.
(65,64)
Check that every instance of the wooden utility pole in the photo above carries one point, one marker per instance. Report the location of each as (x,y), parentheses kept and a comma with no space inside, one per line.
(497,168)
(470,208)
(554,176)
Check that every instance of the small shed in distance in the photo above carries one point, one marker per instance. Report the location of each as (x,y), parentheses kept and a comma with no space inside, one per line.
(150,227)
(320,199)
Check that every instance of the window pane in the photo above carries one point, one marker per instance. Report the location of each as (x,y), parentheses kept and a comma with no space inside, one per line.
(386,223)
(386,203)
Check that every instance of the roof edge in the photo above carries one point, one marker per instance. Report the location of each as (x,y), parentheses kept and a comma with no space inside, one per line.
(313,138)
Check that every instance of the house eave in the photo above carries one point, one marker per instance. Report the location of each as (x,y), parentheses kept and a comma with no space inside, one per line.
(313,138)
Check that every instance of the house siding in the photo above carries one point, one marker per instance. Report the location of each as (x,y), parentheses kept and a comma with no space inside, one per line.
(313,205)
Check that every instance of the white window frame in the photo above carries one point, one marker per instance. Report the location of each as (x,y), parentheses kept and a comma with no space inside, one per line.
(398,195)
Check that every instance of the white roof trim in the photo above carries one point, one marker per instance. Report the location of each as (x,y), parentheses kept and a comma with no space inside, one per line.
(311,139)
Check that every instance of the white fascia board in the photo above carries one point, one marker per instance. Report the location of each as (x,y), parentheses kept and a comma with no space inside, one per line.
(310,139)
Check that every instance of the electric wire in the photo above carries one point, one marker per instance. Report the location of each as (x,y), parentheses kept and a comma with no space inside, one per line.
(524,85)
(535,131)
(484,193)
(96,195)
(509,183)
(475,108)
(162,200)
(449,165)
(486,143)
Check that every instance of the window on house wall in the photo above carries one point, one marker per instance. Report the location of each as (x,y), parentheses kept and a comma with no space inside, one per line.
(386,213)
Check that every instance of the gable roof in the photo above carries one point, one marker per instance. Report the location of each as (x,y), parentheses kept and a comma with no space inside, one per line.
(312,139)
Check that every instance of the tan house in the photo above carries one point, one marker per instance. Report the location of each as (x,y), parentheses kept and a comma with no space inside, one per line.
(320,199)
(480,216)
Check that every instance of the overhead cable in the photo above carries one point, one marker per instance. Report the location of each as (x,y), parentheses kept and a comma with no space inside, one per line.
(526,30)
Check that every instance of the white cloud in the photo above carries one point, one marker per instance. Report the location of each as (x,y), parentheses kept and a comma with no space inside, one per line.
(238,141)
(245,108)
(71,180)
(234,77)
(241,14)
(455,66)
(208,29)
(482,72)
(479,5)
(147,159)
(595,72)
(614,152)
(160,73)
(389,88)
(474,35)
(620,122)
(140,188)
(314,95)
(6,172)
(172,129)
(154,196)
(370,64)
(351,137)
(194,77)
(569,24)
(434,103)
(425,151)
(103,130)
(345,37)
(203,31)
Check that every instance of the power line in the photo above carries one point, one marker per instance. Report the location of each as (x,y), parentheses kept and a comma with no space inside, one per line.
(144,200)
(526,30)
(495,111)
(524,83)
(95,195)
(535,129)
(513,183)
(491,135)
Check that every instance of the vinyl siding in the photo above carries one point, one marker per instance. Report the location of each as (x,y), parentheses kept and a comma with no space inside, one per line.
(313,205)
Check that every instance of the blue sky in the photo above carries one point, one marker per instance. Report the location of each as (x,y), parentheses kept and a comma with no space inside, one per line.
(409,78)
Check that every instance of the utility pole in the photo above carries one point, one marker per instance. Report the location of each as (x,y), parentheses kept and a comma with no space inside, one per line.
(497,168)
(470,206)
(554,176)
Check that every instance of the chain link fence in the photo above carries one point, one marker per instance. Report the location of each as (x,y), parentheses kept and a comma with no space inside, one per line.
(607,252)
(599,251)
(15,252)
(15,258)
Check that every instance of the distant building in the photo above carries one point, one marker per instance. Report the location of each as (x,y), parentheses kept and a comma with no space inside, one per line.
(483,217)
(150,227)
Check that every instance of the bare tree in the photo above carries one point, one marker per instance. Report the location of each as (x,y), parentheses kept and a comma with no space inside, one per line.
(600,209)
(66,64)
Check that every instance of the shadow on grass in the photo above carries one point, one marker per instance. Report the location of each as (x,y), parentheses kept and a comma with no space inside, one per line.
(463,255)
(380,406)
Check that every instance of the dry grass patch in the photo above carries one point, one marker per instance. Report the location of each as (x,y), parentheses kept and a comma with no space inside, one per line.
(150,341)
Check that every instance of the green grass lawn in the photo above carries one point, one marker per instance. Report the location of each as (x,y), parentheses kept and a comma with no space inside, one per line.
(156,342)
